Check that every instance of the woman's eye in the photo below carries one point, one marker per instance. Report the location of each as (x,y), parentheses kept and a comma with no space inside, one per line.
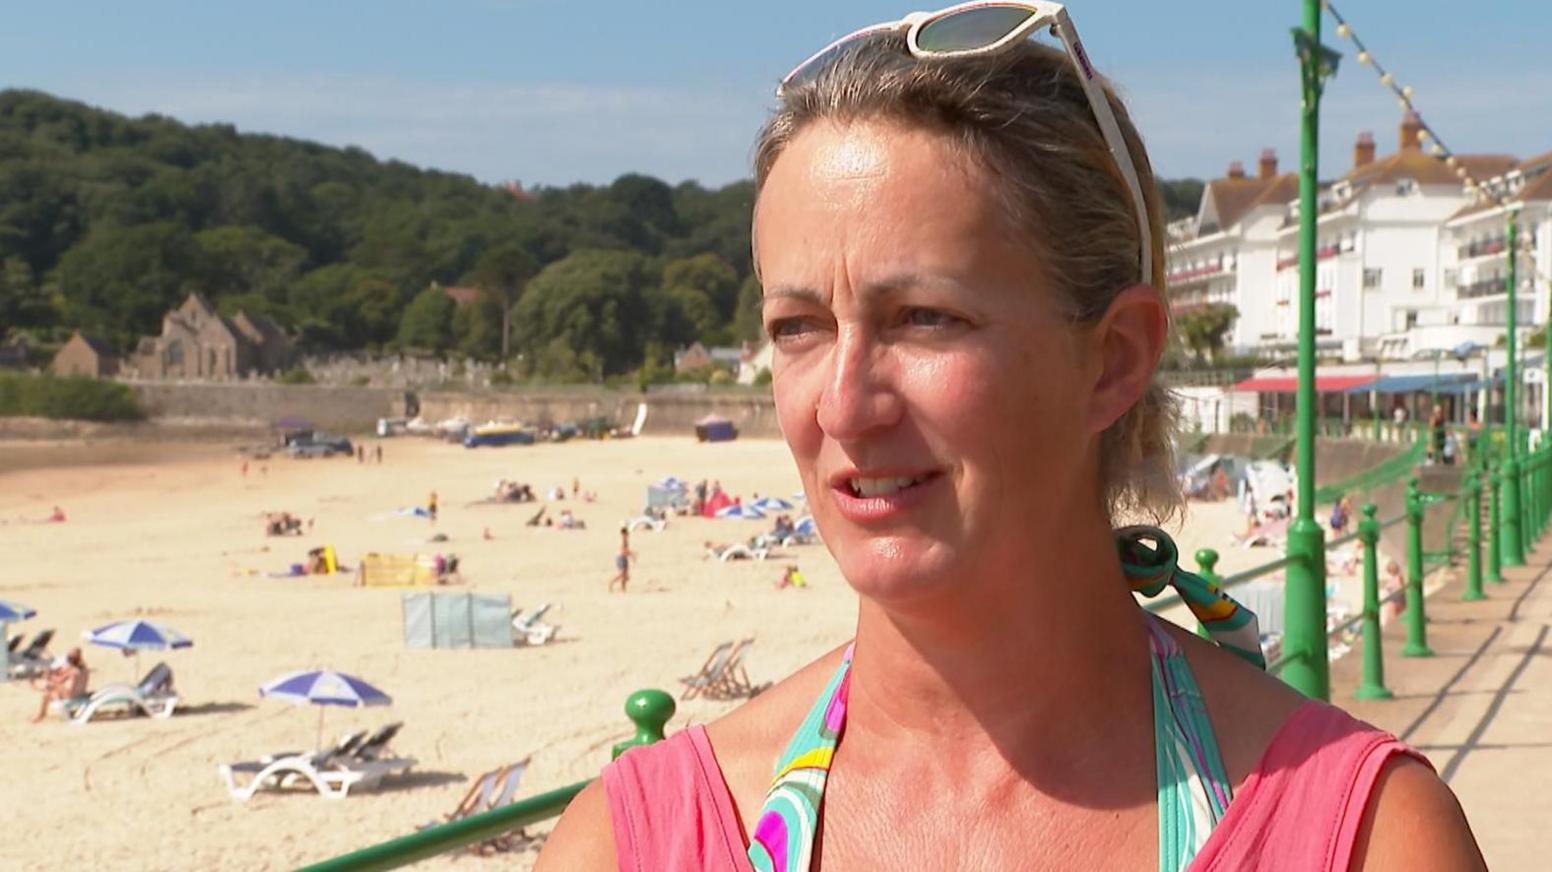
(927,318)
(788,327)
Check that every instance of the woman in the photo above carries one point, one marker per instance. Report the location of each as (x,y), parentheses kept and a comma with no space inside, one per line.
(65,682)
(957,283)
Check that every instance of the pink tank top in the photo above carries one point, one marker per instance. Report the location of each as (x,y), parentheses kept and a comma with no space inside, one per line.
(1299,809)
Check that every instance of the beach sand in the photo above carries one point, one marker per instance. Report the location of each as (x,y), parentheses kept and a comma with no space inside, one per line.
(174,533)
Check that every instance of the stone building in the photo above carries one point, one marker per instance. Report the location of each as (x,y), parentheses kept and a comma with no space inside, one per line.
(197,342)
(85,355)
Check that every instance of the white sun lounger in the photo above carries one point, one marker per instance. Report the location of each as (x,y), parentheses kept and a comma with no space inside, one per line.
(529,628)
(740,551)
(332,773)
(152,697)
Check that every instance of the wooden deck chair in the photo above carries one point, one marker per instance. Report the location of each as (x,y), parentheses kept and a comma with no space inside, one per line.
(733,681)
(489,792)
(709,674)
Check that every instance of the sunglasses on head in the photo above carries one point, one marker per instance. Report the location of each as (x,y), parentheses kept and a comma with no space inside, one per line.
(984,28)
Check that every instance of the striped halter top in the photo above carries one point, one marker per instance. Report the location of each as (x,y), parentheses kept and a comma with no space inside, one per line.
(1193,789)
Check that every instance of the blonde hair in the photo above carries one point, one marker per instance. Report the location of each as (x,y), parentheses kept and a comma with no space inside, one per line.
(1023,116)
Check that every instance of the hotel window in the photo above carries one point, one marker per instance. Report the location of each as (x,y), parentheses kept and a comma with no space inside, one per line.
(1419,279)
(1371,278)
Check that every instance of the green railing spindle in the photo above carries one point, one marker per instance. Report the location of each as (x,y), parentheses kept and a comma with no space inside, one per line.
(1473,538)
(1417,620)
(1373,684)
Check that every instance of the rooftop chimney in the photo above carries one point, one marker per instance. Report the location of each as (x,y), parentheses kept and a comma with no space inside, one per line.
(1411,125)
(1267,168)
(1363,149)
(1236,170)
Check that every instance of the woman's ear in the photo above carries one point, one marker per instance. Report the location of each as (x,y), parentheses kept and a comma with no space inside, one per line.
(1127,342)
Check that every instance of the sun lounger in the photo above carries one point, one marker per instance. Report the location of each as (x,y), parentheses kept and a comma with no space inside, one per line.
(152,697)
(489,792)
(656,525)
(332,773)
(373,747)
(709,674)
(529,628)
(738,551)
(32,660)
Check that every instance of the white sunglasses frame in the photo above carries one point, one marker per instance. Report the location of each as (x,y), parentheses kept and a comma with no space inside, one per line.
(1041,15)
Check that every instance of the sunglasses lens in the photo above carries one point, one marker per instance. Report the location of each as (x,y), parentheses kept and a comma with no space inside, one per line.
(814,65)
(971,29)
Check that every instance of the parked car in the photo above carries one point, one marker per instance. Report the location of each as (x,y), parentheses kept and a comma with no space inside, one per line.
(321,445)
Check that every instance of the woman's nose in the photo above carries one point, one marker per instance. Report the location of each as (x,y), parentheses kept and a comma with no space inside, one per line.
(859,396)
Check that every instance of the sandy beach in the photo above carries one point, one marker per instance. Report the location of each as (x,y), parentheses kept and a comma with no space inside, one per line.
(174,533)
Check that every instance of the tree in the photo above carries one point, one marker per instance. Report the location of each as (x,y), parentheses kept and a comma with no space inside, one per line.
(502,273)
(748,320)
(23,302)
(119,281)
(427,323)
(1204,329)
(478,328)
(709,275)
(247,260)
(595,303)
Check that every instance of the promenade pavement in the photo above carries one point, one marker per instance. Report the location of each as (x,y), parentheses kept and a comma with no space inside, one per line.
(1481,707)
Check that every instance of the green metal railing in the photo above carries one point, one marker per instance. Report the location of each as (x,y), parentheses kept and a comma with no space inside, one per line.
(650,710)
(1377,476)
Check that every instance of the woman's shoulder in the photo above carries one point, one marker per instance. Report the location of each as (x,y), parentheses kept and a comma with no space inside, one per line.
(691,769)
(748,739)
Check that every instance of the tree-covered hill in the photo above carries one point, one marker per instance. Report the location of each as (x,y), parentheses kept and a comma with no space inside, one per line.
(107,221)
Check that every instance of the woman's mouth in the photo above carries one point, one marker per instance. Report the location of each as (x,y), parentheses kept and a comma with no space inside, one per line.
(873,497)
(859,486)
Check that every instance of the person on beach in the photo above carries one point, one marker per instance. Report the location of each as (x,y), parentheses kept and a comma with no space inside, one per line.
(790,577)
(958,236)
(65,681)
(622,562)
(431,507)
(377,453)
(1341,512)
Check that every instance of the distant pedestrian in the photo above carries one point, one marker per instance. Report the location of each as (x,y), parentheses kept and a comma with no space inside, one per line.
(360,454)
(378,451)
(431,507)
(245,469)
(576,486)
(622,562)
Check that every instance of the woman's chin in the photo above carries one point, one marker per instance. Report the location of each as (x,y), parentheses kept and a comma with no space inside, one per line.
(897,570)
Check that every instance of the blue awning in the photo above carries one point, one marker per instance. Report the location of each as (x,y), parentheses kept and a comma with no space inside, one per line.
(1406,384)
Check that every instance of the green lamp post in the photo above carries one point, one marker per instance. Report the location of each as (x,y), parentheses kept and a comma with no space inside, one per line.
(1304,639)
(1513,551)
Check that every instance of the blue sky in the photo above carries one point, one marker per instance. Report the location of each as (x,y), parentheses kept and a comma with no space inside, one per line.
(557,91)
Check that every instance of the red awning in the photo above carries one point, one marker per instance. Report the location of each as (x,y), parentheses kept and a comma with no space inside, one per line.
(1290,384)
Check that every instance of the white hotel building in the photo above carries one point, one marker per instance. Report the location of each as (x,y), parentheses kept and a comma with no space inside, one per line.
(1406,256)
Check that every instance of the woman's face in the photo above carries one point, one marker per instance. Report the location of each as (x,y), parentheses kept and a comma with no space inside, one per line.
(935,397)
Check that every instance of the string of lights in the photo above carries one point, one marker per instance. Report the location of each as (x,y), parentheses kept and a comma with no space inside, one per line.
(1427,136)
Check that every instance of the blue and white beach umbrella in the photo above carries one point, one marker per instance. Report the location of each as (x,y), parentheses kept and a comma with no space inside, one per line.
(772,504)
(740,511)
(137,635)
(10,611)
(323,687)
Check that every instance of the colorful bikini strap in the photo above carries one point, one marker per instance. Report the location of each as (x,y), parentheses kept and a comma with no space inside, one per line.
(1151,563)
(783,837)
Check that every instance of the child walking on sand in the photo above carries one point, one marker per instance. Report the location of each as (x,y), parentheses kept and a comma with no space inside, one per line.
(622,562)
